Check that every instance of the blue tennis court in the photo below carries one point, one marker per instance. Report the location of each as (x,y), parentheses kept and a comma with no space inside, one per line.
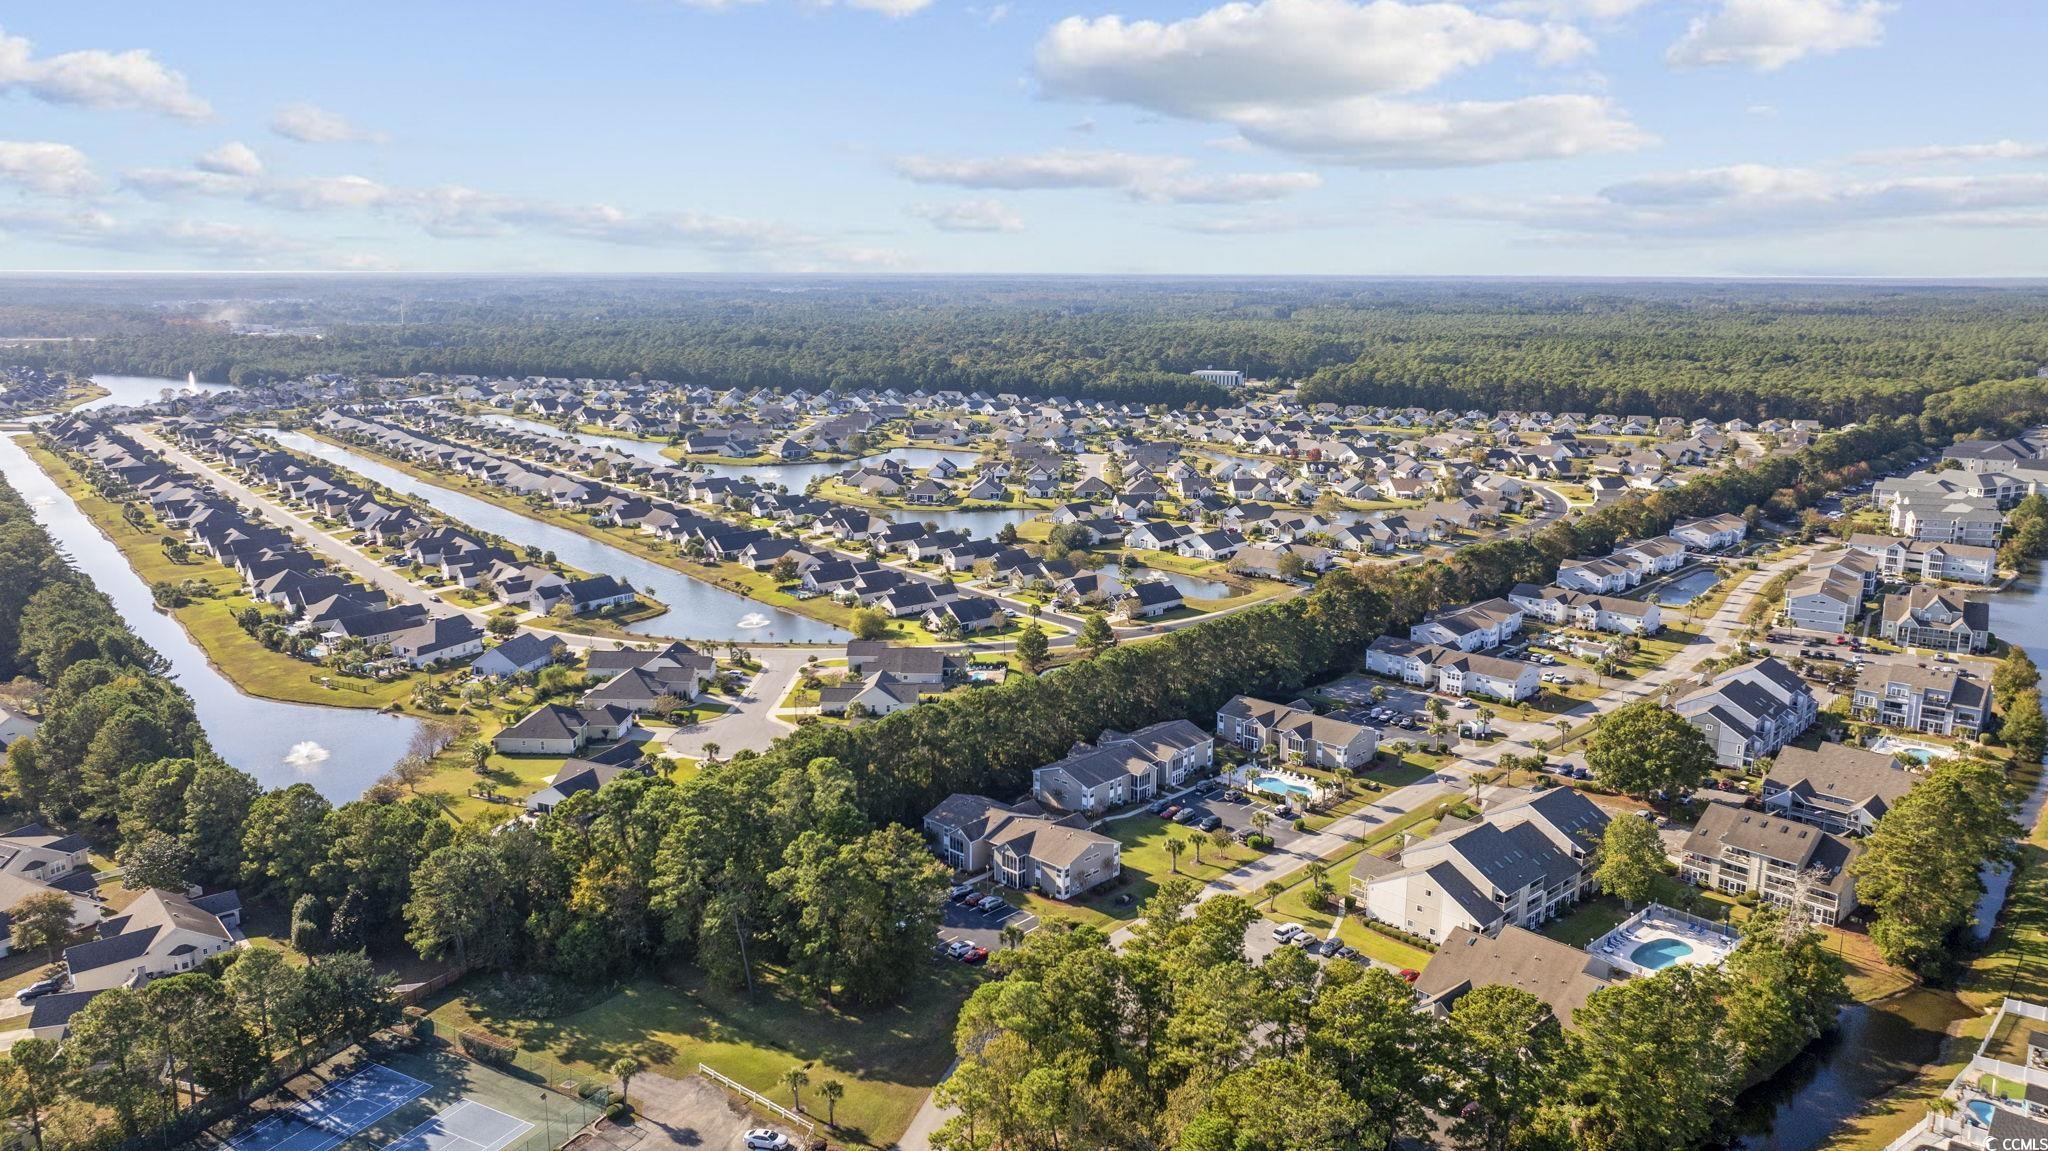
(464,1126)
(334,1114)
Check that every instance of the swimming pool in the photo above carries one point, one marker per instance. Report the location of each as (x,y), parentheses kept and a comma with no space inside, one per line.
(1983,1110)
(1274,785)
(1658,954)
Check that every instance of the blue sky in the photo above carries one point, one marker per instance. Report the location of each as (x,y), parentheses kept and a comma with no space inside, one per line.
(1505,137)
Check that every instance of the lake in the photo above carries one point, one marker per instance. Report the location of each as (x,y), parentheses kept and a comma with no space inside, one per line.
(340,751)
(135,391)
(696,610)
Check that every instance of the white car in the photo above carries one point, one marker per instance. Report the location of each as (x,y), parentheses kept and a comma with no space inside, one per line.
(768,1139)
(958,948)
(1286,931)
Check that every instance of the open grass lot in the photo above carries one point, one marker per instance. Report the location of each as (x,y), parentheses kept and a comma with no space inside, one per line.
(253,668)
(888,1058)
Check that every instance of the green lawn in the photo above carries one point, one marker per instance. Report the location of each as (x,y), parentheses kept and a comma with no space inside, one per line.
(889,1058)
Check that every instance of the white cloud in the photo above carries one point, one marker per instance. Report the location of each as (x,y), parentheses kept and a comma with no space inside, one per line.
(310,124)
(1235,188)
(1274,51)
(1154,178)
(1337,80)
(45,168)
(1754,199)
(1373,133)
(233,158)
(1597,10)
(1262,224)
(894,9)
(1058,168)
(95,78)
(970,216)
(1945,153)
(1766,35)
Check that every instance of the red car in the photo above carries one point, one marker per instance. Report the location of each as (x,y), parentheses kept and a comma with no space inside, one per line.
(1410,974)
(976,955)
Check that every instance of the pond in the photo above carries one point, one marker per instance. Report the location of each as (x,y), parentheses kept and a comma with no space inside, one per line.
(1187,585)
(340,751)
(696,610)
(1687,588)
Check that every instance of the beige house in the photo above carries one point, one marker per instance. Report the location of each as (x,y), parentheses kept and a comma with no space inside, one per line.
(161,933)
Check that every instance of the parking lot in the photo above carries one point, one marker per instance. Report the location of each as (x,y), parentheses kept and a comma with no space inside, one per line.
(1235,810)
(1260,941)
(1408,706)
(958,921)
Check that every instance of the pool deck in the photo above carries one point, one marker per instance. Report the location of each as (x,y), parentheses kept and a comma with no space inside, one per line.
(1707,943)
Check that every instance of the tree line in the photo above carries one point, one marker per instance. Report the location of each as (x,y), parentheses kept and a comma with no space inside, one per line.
(1176,1040)
(1828,352)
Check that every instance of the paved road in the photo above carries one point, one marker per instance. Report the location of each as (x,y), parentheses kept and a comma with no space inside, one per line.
(751,725)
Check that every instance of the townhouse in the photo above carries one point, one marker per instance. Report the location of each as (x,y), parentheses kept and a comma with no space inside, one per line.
(1451,670)
(1475,627)
(1897,556)
(1711,533)
(1606,613)
(1828,595)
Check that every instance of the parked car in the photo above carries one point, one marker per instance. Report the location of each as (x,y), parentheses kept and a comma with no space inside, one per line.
(39,988)
(1188,815)
(959,948)
(975,955)
(1351,953)
(1306,940)
(1410,974)
(995,905)
(1211,823)
(768,1139)
(1161,807)
(961,891)
(1286,931)
(971,899)
(1169,811)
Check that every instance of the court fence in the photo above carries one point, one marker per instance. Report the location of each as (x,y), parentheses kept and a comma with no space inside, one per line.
(214,1108)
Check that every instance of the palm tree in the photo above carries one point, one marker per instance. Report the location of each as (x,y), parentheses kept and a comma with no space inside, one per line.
(832,1089)
(796,1079)
(1260,821)
(624,1069)
(1272,891)
(480,758)
(711,753)
(1174,846)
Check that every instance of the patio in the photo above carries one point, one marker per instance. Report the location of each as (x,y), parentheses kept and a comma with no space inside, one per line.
(1658,936)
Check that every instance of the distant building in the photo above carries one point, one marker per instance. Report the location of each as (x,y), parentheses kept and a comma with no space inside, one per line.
(1220,377)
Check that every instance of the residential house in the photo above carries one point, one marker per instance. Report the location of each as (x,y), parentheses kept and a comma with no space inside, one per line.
(522,654)
(555,729)
(160,933)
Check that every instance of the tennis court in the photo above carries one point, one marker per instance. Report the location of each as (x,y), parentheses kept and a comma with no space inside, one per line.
(464,1126)
(335,1114)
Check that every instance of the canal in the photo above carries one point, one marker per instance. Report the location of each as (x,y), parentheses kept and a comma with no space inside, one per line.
(340,751)
(696,610)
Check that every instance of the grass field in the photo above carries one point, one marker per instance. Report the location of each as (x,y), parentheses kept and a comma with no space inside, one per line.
(888,1058)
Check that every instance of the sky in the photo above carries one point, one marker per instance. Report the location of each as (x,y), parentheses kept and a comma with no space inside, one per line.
(1331,137)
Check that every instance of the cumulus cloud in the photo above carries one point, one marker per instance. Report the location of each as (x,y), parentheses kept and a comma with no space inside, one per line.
(1373,133)
(95,78)
(1601,10)
(1948,153)
(1154,178)
(311,124)
(1338,80)
(233,158)
(1755,199)
(1275,51)
(45,168)
(1766,35)
(970,216)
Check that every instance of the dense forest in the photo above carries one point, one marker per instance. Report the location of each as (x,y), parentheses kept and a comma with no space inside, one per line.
(1834,352)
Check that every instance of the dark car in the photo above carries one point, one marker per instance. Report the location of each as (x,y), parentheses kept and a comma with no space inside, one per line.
(39,988)
(1211,823)
(1161,807)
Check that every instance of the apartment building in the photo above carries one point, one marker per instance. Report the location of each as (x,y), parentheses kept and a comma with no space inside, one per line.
(1750,711)
(1119,768)
(1578,609)
(1291,731)
(1836,788)
(1475,627)
(1021,847)
(1522,864)
(1936,619)
(1937,699)
(1897,556)
(1736,851)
